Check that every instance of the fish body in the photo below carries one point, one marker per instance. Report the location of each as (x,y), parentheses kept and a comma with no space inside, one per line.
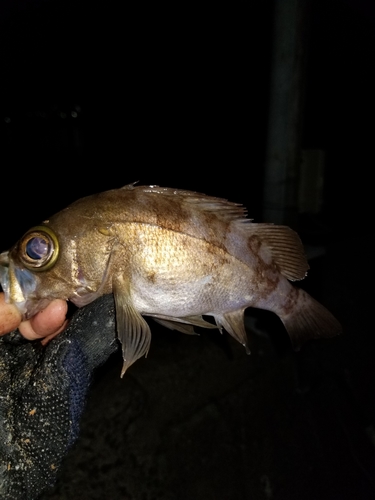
(170,254)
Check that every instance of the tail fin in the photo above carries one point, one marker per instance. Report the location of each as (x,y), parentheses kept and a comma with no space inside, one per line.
(308,320)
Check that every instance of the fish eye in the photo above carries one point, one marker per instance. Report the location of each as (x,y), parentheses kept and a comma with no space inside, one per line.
(39,248)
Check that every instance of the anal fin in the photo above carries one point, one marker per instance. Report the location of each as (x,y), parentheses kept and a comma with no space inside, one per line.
(233,322)
(132,329)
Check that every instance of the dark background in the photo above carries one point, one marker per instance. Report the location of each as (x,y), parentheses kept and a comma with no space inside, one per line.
(169,98)
(95,96)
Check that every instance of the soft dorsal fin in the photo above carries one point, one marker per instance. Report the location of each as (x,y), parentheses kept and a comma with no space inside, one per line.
(286,249)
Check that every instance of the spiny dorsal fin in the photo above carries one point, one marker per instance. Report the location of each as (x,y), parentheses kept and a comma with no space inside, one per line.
(221,207)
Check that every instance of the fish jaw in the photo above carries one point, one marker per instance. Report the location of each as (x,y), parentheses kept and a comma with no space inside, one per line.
(4,274)
(19,285)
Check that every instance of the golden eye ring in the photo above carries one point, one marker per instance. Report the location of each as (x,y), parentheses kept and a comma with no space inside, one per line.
(39,248)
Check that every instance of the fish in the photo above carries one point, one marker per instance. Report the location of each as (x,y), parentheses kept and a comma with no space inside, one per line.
(174,255)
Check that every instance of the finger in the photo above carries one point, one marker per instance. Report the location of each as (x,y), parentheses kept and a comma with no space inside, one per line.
(10,317)
(47,322)
(46,339)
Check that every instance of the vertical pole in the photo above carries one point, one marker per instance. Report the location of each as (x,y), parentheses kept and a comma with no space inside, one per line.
(280,199)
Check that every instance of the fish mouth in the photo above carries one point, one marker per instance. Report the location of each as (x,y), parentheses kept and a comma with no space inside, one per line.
(18,284)
(4,273)
(4,259)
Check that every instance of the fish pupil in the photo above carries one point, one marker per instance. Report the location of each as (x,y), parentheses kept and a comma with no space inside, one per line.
(37,248)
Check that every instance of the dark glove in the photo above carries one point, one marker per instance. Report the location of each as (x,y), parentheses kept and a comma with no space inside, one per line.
(42,396)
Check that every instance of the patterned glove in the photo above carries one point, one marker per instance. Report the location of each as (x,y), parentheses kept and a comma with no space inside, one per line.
(42,395)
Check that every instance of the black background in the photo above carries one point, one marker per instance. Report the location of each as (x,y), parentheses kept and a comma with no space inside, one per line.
(179,96)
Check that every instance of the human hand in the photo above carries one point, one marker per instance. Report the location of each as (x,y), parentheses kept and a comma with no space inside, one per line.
(44,325)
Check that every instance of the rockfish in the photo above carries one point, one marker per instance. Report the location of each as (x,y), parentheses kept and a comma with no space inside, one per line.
(170,254)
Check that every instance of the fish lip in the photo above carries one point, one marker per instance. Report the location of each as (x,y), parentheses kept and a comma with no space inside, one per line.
(18,284)
(4,280)
(4,259)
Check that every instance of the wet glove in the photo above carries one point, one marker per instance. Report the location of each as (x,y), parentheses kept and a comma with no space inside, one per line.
(42,396)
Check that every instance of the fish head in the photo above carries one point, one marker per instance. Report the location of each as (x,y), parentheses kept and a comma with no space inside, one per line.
(50,262)
(26,267)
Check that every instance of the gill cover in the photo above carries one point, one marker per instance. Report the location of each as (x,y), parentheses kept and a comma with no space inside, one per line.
(39,249)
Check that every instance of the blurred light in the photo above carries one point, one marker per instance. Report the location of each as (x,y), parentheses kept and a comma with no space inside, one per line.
(7,119)
(74,114)
(62,114)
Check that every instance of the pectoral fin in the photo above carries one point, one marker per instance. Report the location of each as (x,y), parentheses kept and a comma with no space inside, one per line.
(233,322)
(132,330)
